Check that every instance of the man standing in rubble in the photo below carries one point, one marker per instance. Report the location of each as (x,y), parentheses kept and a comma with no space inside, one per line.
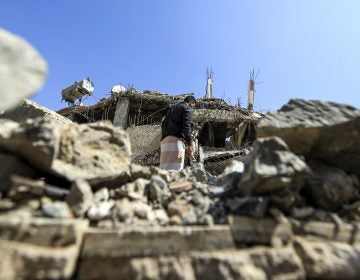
(176,133)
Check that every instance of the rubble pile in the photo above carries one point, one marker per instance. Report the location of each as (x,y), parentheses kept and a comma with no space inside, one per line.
(74,205)
(65,183)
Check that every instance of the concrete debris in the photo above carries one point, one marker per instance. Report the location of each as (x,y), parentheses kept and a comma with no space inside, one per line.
(28,109)
(22,69)
(270,167)
(95,152)
(319,130)
(271,210)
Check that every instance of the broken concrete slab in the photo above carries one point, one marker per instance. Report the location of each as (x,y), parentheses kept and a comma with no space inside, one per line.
(326,131)
(144,139)
(28,109)
(270,167)
(22,70)
(96,152)
(328,260)
(151,241)
(344,232)
(247,230)
(42,231)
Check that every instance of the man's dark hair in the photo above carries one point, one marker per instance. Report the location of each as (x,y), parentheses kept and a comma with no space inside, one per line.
(189,98)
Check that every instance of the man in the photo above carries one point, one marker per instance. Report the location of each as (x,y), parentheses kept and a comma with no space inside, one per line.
(176,132)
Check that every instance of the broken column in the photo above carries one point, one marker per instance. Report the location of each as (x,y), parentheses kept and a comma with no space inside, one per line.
(122,112)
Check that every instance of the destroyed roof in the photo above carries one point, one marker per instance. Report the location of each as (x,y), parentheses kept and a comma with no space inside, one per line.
(208,109)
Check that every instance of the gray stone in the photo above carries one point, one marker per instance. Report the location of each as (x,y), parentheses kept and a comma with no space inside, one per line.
(231,174)
(80,197)
(321,130)
(247,230)
(101,195)
(57,209)
(270,167)
(330,188)
(134,190)
(161,217)
(22,70)
(158,191)
(95,152)
(28,109)
(139,171)
(101,210)
(329,260)
(124,210)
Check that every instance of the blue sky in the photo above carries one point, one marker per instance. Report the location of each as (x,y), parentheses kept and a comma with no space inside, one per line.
(304,49)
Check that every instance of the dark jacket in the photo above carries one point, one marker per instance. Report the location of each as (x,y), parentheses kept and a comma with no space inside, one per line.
(178,122)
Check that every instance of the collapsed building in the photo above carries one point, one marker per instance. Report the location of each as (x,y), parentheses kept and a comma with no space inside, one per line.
(220,131)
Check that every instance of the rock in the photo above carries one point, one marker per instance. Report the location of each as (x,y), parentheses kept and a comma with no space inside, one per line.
(80,197)
(330,187)
(139,171)
(231,174)
(329,260)
(222,191)
(101,195)
(28,109)
(100,210)
(137,135)
(161,217)
(57,209)
(180,186)
(271,166)
(124,210)
(158,191)
(134,190)
(251,206)
(96,152)
(23,70)
(142,210)
(248,230)
(326,131)
(302,212)
(196,172)
(11,165)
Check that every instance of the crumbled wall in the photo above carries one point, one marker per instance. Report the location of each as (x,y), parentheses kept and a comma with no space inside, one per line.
(144,139)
